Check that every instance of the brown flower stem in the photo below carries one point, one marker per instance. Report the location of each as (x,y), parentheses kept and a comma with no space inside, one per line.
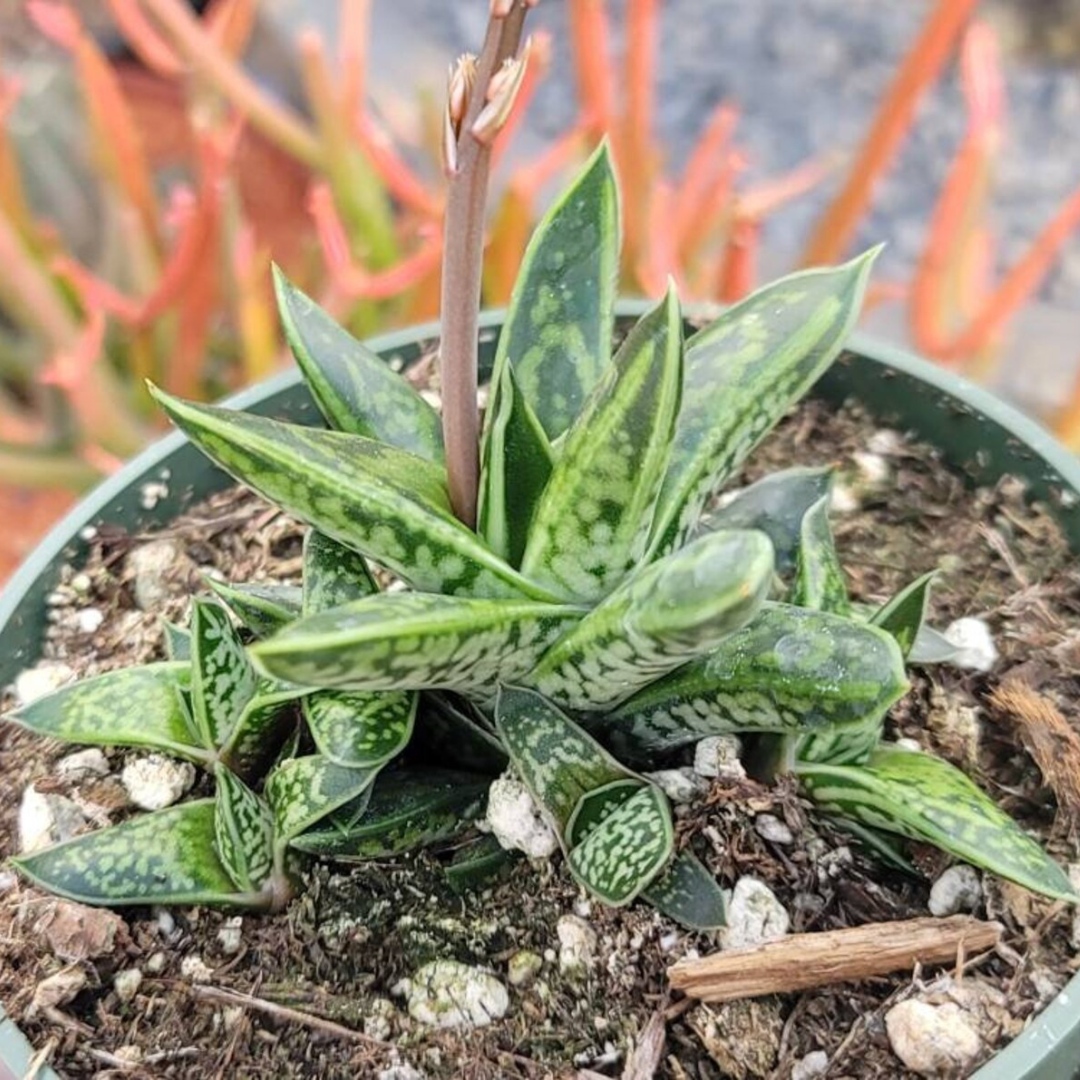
(463,257)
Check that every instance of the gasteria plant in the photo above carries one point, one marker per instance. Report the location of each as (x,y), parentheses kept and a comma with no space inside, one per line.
(597,620)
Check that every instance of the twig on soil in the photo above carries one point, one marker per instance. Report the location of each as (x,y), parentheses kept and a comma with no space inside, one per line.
(1050,740)
(644,1062)
(115,1062)
(804,961)
(283,1012)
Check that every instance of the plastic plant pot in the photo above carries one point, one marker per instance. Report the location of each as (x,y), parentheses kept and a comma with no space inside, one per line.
(974,432)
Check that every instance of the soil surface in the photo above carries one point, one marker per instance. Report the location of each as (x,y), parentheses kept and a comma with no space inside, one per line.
(335,956)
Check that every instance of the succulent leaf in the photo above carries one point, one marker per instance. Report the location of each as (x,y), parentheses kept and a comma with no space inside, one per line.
(408,809)
(382,502)
(788,670)
(925,798)
(137,706)
(263,609)
(257,735)
(333,574)
(415,641)
(475,863)
(776,505)
(819,577)
(167,857)
(515,464)
(452,732)
(884,846)
(556,760)
(222,678)
(678,608)
(177,643)
(849,745)
(931,647)
(903,616)
(360,730)
(354,388)
(558,329)
(743,373)
(628,849)
(243,831)
(688,893)
(592,522)
(302,791)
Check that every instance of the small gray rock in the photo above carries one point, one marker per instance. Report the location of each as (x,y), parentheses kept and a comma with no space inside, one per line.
(810,1067)
(957,889)
(449,994)
(523,968)
(717,757)
(37,682)
(154,782)
(126,983)
(577,945)
(681,786)
(932,1040)
(754,915)
(770,827)
(154,567)
(46,818)
(83,764)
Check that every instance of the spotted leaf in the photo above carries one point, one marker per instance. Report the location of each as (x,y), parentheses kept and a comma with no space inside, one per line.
(557,332)
(819,577)
(687,893)
(263,609)
(743,372)
(360,730)
(925,798)
(333,574)
(243,832)
(137,706)
(222,678)
(302,791)
(903,616)
(789,670)
(380,501)
(415,641)
(168,857)
(262,728)
(776,505)
(354,388)
(592,523)
(177,642)
(677,609)
(515,465)
(408,809)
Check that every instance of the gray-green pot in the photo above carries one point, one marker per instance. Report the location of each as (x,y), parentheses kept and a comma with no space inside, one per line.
(974,431)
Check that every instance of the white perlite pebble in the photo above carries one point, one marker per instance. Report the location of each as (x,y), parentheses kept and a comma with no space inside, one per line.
(196,969)
(754,915)
(933,1040)
(974,643)
(449,994)
(151,566)
(231,934)
(681,786)
(400,1072)
(516,821)
(577,945)
(770,827)
(36,682)
(46,819)
(83,764)
(718,756)
(810,1067)
(154,782)
(523,967)
(88,620)
(886,441)
(126,984)
(958,889)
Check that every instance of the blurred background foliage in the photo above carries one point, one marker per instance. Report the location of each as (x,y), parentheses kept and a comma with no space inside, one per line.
(157,155)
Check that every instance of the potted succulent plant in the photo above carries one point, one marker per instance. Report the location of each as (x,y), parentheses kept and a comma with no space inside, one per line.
(551,592)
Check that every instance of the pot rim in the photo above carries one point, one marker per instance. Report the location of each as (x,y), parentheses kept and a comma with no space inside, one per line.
(1057,1022)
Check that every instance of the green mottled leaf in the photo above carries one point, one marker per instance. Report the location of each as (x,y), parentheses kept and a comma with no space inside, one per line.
(819,577)
(789,670)
(687,893)
(595,806)
(627,849)
(243,831)
(408,809)
(903,616)
(382,502)
(592,523)
(177,642)
(355,390)
(257,736)
(743,373)
(451,731)
(557,761)
(776,505)
(333,574)
(515,465)
(415,641)
(136,706)
(849,745)
(167,857)
(360,730)
(263,609)
(678,608)
(557,332)
(884,846)
(302,791)
(475,863)
(222,678)
(925,798)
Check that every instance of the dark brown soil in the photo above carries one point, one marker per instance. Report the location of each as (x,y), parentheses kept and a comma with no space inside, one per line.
(353,934)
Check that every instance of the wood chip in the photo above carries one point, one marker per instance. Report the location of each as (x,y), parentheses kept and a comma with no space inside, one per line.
(803,961)
(1050,740)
